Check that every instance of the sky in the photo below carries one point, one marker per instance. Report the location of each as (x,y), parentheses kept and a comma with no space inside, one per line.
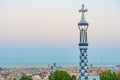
(46,31)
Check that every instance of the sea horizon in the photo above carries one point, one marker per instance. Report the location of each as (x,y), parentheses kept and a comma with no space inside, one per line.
(29,65)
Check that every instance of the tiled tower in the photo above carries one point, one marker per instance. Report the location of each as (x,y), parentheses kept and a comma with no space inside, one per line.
(83,46)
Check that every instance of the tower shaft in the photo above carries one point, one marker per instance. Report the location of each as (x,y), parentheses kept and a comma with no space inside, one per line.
(83,72)
(83,46)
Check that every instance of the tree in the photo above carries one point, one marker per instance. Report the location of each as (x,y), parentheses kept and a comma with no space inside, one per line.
(73,77)
(26,78)
(61,75)
(109,75)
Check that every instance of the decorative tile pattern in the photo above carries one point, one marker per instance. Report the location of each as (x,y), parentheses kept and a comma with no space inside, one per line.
(83,65)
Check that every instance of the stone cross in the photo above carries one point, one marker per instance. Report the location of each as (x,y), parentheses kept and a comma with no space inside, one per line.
(83,11)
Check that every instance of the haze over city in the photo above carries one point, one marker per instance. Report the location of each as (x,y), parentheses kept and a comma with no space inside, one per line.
(46,31)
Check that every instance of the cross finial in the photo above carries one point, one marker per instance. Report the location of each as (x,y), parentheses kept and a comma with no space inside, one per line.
(82,10)
(83,6)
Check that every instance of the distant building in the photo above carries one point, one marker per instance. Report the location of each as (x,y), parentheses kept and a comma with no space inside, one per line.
(1,69)
(54,64)
(91,66)
(118,66)
(51,67)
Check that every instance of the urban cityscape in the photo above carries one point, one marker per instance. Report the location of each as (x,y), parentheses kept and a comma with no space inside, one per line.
(43,72)
(59,40)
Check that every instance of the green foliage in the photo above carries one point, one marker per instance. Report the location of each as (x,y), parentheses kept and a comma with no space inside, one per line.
(73,77)
(26,78)
(61,75)
(109,75)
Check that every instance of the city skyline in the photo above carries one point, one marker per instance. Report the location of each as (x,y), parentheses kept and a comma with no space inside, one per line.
(37,31)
